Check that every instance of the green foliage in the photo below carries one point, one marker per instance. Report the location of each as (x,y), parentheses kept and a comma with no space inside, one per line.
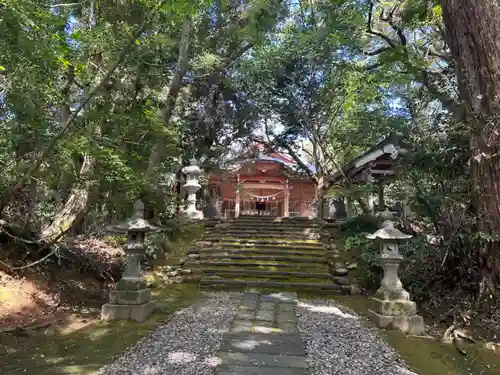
(352,191)
(359,224)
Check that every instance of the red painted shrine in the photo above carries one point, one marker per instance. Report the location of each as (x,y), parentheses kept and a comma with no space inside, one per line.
(269,185)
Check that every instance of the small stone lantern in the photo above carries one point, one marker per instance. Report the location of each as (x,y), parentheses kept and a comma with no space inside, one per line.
(192,186)
(391,305)
(131,298)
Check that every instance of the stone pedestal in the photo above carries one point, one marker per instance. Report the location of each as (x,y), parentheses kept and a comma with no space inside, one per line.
(391,307)
(131,299)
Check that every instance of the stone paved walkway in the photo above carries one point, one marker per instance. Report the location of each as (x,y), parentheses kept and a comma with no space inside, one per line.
(263,339)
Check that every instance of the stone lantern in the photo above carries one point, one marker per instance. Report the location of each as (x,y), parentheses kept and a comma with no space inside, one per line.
(192,186)
(391,305)
(131,298)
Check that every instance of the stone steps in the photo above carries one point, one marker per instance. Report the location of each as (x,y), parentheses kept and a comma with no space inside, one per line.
(266,273)
(256,265)
(310,245)
(267,233)
(251,218)
(270,227)
(282,285)
(283,258)
(262,251)
(259,240)
(261,235)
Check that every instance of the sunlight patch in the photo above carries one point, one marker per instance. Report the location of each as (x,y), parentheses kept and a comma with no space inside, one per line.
(212,361)
(181,357)
(327,310)
(251,344)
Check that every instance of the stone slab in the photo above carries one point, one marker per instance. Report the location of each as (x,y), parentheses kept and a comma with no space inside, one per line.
(266,315)
(287,317)
(248,304)
(282,307)
(250,296)
(241,325)
(413,325)
(245,315)
(264,327)
(284,297)
(267,306)
(139,313)
(243,342)
(130,297)
(286,327)
(269,360)
(259,370)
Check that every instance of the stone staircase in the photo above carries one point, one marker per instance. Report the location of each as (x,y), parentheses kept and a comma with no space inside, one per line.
(264,252)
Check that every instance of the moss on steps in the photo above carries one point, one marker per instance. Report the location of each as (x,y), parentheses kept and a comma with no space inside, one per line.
(257,251)
(272,274)
(272,244)
(284,258)
(264,265)
(277,278)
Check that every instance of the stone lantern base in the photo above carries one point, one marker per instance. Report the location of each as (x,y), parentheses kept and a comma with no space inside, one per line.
(131,300)
(396,314)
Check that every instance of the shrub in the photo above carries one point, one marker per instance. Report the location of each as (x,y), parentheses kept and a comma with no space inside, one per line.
(359,224)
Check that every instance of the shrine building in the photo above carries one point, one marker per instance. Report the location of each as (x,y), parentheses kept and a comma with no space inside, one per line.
(270,185)
(274,185)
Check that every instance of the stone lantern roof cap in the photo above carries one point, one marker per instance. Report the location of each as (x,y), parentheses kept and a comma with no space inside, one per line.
(192,168)
(138,225)
(388,232)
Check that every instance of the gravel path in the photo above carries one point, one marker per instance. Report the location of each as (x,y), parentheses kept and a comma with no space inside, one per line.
(186,345)
(337,343)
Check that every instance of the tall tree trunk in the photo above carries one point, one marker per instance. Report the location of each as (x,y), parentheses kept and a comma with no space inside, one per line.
(158,152)
(473,32)
(77,204)
(74,208)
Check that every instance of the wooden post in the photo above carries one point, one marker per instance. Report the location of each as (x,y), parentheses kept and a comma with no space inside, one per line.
(381,200)
(286,209)
(237,200)
(349,208)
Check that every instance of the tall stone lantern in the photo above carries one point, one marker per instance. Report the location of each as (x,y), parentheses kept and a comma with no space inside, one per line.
(391,305)
(192,186)
(131,298)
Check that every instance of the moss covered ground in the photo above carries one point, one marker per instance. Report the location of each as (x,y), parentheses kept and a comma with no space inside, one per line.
(84,347)
(84,350)
(428,356)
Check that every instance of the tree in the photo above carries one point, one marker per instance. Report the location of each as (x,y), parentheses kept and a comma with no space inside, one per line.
(472,31)
(312,90)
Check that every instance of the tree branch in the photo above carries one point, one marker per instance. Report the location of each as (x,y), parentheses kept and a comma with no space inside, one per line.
(390,20)
(448,102)
(378,51)
(379,34)
(271,145)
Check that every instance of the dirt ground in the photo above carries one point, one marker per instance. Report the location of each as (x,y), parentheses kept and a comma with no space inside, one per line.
(50,295)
